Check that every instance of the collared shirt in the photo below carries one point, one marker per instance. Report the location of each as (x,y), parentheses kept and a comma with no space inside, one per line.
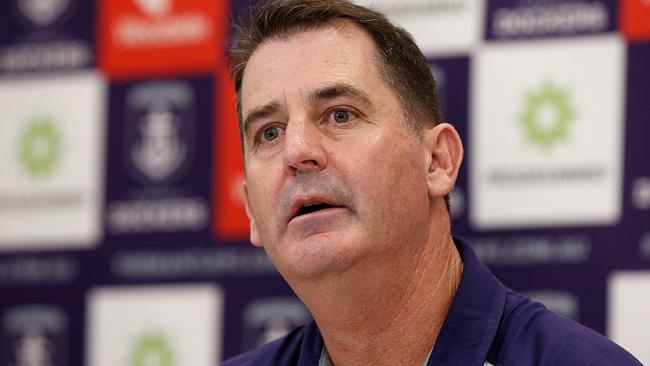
(325,359)
(487,324)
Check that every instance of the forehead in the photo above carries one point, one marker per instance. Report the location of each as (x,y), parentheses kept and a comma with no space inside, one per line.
(281,68)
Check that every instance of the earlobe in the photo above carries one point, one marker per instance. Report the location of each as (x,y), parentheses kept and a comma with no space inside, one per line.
(446,151)
(254,234)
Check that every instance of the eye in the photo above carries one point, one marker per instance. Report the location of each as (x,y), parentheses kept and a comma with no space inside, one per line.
(271,133)
(268,134)
(341,116)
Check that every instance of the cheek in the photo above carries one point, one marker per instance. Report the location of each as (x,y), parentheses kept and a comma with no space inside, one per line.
(260,194)
(393,183)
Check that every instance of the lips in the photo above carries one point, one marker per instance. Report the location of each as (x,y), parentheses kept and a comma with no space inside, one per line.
(308,205)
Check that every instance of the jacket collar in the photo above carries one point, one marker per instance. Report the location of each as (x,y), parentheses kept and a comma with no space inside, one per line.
(470,325)
(474,316)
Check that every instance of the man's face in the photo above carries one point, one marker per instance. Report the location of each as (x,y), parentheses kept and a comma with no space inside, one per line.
(334,178)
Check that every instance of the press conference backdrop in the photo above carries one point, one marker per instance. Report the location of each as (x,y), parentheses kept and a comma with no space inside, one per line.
(123,238)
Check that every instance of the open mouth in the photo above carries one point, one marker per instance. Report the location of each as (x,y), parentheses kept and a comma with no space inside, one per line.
(313,207)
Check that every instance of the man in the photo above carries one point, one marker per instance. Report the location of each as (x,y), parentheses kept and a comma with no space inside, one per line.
(347,167)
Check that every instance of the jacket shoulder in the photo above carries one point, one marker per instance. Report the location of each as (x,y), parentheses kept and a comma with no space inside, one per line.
(530,334)
(283,351)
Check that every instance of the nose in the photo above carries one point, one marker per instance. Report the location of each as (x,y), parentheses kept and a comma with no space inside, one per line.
(303,149)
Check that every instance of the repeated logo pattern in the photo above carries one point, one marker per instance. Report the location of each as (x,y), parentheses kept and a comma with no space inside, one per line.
(160,123)
(554,129)
(42,12)
(152,349)
(145,37)
(45,35)
(40,146)
(34,335)
(547,116)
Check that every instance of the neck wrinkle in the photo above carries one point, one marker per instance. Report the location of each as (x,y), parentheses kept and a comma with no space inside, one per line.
(403,316)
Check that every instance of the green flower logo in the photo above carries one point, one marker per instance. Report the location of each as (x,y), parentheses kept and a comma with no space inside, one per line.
(40,146)
(152,349)
(547,116)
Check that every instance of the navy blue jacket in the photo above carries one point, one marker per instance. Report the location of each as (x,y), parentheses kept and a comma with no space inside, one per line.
(487,322)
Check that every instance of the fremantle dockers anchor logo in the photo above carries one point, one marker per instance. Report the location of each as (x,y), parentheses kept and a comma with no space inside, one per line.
(34,335)
(270,318)
(159,131)
(43,13)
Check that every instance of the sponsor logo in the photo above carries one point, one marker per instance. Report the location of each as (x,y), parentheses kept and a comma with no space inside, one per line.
(415,7)
(459,20)
(532,250)
(152,349)
(42,13)
(162,215)
(40,146)
(41,45)
(154,325)
(39,151)
(547,116)
(46,56)
(154,265)
(161,28)
(155,8)
(159,151)
(546,141)
(35,270)
(268,319)
(142,37)
(35,335)
(551,19)
(50,151)
(641,193)
(160,128)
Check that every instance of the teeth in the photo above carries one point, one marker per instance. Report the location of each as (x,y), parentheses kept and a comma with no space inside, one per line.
(313,204)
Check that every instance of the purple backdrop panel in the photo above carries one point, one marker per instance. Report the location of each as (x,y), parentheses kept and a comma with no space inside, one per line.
(37,36)
(636,191)
(566,269)
(452,81)
(159,161)
(44,326)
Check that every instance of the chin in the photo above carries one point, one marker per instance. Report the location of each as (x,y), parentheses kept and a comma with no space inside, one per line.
(318,256)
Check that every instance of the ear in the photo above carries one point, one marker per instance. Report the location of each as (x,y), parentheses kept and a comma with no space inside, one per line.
(254,234)
(446,153)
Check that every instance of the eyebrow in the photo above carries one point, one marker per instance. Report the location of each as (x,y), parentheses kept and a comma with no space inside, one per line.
(340,90)
(324,93)
(260,113)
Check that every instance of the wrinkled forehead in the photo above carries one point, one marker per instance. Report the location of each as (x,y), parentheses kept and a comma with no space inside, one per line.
(287,66)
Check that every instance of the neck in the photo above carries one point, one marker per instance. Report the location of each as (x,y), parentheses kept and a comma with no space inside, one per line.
(372,315)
